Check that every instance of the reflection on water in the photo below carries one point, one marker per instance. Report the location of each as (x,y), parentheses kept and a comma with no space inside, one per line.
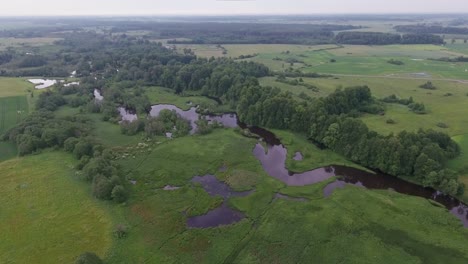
(223,215)
(42,83)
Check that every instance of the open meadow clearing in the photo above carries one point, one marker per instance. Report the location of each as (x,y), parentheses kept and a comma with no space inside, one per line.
(46,214)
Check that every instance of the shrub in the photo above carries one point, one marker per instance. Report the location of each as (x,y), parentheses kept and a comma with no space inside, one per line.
(69,144)
(120,231)
(102,187)
(395,62)
(88,258)
(119,194)
(428,85)
(442,125)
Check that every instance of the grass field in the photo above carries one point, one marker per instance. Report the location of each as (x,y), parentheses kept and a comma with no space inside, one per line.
(352,225)
(161,95)
(14,86)
(7,150)
(46,215)
(369,60)
(12,111)
(25,42)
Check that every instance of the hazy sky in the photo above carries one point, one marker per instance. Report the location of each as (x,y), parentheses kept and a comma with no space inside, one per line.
(212,7)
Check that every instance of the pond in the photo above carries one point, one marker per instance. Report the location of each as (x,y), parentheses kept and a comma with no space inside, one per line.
(42,83)
(222,215)
(127,115)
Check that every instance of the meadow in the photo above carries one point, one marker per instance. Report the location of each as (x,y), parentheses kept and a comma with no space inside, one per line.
(47,215)
(352,224)
(26,43)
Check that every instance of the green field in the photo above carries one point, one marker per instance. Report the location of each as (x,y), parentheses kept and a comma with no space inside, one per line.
(161,95)
(368,60)
(46,215)
(12,111)
(14,86)
(7,150)
(353,225)
(25,42)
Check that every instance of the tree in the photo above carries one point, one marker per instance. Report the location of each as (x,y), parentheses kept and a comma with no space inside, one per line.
(102,187)
(88,258)
(119,194)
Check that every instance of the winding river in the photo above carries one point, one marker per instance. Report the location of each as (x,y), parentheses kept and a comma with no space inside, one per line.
(273,161)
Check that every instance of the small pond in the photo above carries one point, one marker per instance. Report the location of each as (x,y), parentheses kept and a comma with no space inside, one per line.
(223,215)
(42,83)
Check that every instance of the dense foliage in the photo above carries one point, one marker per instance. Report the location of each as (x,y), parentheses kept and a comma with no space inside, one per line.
(431,29)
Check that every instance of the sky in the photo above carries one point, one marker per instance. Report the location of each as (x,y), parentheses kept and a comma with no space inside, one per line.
(223,7)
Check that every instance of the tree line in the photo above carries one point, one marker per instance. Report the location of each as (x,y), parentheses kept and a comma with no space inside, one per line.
(378,38)
(431,29)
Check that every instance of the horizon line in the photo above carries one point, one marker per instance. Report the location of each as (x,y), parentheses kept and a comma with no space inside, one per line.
(181,14)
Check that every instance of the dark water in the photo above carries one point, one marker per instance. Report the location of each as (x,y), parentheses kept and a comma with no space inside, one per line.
(298,156)
(223,215)
(273,162)
(227,120)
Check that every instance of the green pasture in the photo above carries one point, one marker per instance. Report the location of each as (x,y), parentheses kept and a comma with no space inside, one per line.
(46,215)
(12,111)
(161,95)
(26,42)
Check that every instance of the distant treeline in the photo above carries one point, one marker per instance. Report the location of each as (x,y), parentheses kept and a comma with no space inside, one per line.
(428,29)
(250,33)
(377,38)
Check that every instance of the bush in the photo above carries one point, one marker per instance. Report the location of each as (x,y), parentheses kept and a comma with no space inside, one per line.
(119,194)
(88,258)
(395,62)
(390,121)
(428,85)
(102,187)
(69,144)
(442,125)
(83,148)
(121,231)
